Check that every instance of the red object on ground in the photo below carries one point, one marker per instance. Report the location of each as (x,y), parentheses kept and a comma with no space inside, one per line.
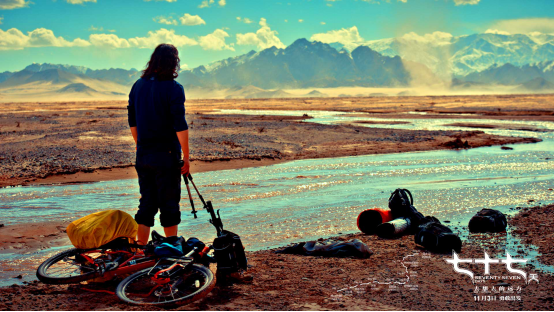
(370,218)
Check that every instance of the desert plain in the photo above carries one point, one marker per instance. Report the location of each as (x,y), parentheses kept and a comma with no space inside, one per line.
(48,142)
(80,142)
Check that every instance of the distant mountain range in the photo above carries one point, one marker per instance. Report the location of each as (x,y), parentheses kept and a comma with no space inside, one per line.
(117,75)
(44,81)
(303,64)
(509,74)
(463,55)
(524,61)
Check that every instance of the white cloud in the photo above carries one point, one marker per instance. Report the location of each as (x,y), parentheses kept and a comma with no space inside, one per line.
(301,21)
(466,2)
(191,20)
(162,0)
(187,19)
(162,36)
(13,4)
(208,3)
(496,32)
(437,38)
(525,25)
(244,20)
(80,1)
(456,2)
(14,39)
(101,29)
(349,37)
(323,23)
(150,41)
(263,38)
(205,4)
(108,41)
(215,41)
(165,20)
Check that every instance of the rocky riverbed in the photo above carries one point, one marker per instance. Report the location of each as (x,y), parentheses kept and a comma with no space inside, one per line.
(89,137)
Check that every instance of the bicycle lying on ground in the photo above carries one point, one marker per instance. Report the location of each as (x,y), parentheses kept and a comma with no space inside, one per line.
(155,279)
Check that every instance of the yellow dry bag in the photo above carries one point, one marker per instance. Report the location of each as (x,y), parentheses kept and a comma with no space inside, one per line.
(101,228)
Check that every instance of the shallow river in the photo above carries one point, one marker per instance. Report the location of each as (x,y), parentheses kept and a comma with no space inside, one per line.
(307,199)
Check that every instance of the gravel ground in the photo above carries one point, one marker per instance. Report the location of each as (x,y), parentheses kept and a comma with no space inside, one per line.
(38,144)
(534,226)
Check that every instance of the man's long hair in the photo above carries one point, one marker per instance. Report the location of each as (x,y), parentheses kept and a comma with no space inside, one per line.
(164,63)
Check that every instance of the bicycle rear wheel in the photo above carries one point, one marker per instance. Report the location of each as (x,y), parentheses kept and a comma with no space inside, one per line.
(68,267)
(193,284)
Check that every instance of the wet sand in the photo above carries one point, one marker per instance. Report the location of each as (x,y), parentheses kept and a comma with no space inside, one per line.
(30,237)
(74,142)
(371,122)
(534,226)
(293,282)
(497,126)
(130,172)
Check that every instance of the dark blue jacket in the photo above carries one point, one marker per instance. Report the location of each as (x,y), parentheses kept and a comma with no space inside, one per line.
(157,109)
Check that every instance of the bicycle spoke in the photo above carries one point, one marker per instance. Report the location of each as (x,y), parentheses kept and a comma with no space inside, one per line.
(171,292)
(142,289)
(69,266)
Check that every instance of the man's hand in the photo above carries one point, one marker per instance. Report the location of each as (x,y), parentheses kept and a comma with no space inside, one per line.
(134,132)
(186,166)
(183,137)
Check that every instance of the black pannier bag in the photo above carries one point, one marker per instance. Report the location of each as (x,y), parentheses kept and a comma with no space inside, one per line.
(228,249)
(229,252)
(437,237)
(488,220)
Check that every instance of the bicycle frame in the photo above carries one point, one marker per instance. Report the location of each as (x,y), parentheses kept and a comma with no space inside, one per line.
(179,265)
(133,264)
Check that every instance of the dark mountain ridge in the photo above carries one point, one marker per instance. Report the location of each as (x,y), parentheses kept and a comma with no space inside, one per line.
(509,74)
(302,64)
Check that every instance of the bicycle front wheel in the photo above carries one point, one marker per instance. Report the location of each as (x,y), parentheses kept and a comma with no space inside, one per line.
(68,267)
(193,284)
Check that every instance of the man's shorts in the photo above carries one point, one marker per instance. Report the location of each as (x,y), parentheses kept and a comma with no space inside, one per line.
(159,178)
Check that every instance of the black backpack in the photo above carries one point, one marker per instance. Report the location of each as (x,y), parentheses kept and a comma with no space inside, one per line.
(229,252)
(401,206)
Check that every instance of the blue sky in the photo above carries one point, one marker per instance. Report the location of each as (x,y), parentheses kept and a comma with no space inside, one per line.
(122,33)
